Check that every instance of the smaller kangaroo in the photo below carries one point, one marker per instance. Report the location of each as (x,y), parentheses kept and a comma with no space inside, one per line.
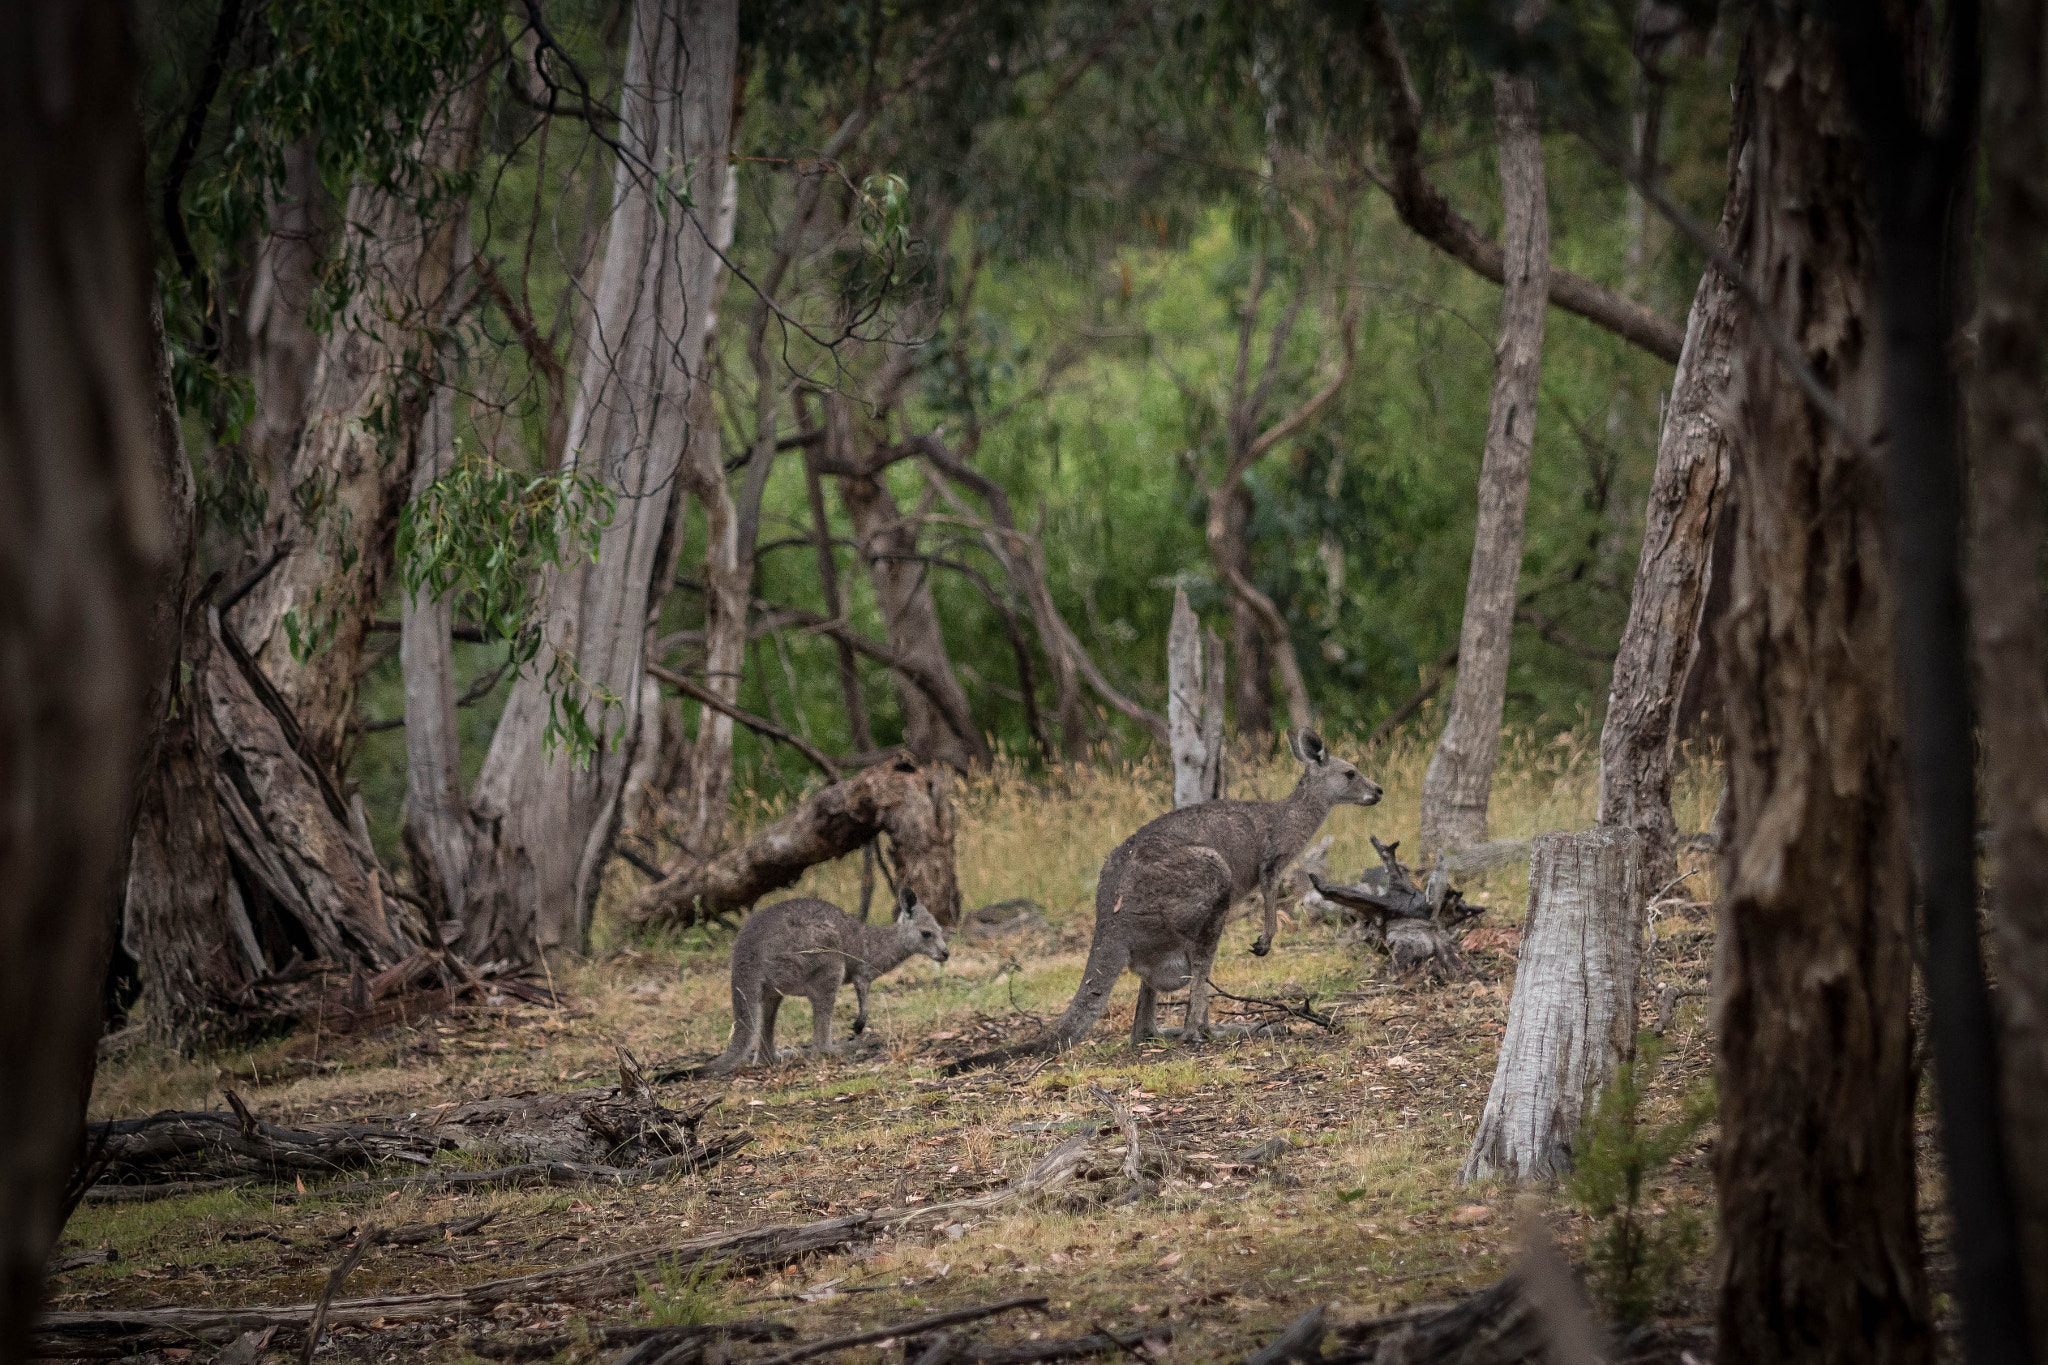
(1165,892)
(809,948)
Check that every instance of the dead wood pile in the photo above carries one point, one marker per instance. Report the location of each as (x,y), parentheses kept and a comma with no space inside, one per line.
(1415,925)
(611,1133)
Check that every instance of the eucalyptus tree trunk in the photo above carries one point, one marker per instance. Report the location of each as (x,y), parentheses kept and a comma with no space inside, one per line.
(284,350)
(348,476)
(729,539)
(85,548)
(1194,707)
(1572,1022)
(439,833)
(2005,600)
(1814,949)
(934,732)
(551,820)
(1661,643)
(1459,781)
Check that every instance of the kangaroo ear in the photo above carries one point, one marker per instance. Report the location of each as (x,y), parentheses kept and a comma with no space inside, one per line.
(906,903)
(1311,750)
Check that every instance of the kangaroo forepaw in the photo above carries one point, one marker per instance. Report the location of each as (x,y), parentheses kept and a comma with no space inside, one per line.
(1261,946)
(860,1026)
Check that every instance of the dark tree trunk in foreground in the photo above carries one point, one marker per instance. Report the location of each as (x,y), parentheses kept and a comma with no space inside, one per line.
(1916,170)
(1572,1022)
(84,549)
(1660,646)
(2011,434)
(1459,782)
(1819,1255)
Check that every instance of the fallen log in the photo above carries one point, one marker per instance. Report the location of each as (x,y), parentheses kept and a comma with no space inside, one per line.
(540,1173)
(900,799)
(614,1276)
(201,1149)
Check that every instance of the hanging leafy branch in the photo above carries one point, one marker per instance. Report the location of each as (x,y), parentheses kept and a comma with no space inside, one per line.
(485,532)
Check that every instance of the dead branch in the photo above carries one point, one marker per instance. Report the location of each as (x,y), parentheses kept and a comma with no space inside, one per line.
(1305,1010)
(606,1277)
(607,1338)
(235,1144)
(1303,1341)
(339,1277)
(766,728)
(1422,206)
(1062,1348)
(904,1329)
(900,799)
(1124,1121)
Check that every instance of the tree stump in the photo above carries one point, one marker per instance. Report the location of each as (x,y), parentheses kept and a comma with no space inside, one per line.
(1573,1017)
(1194,707)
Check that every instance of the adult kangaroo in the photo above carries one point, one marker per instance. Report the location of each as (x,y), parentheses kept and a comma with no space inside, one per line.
(1165,892)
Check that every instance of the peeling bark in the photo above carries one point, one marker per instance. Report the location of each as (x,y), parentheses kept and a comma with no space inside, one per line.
(339,494)
(1660,645)
(1815,954)
(1572,1022)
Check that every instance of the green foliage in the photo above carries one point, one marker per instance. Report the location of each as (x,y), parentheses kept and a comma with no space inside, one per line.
(1637,1253)
(485,531)
(682,1296)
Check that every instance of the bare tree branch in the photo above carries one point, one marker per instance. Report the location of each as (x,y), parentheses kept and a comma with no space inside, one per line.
(1427,213)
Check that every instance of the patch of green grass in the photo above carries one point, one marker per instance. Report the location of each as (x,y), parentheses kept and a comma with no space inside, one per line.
(683,1296)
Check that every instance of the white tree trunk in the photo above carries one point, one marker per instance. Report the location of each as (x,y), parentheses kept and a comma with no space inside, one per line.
(1572,1021)
(1186,703)
(437,825)
(284,350)
(553,820)
(1660,645)
(1456,788)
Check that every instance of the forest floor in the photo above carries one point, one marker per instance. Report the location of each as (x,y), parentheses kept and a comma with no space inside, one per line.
(1361,1207)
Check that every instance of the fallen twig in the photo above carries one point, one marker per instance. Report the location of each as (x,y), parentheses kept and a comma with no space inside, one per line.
(1124,1121)
(1303,1340)
(903,1329)
(339,1277)
(431,1232)
(1063,1348)
(606,1338)
(57,1334)
(169,1189)
(541,1172)
(1306,1010)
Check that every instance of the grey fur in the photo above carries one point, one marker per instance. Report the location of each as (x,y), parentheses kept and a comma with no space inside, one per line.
(809,948)
(1165,892)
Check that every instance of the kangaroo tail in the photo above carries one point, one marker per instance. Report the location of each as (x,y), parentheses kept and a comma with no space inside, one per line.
(1106,962)
(746,1022)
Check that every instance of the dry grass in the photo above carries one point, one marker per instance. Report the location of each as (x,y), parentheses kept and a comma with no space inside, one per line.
(1366,1210)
